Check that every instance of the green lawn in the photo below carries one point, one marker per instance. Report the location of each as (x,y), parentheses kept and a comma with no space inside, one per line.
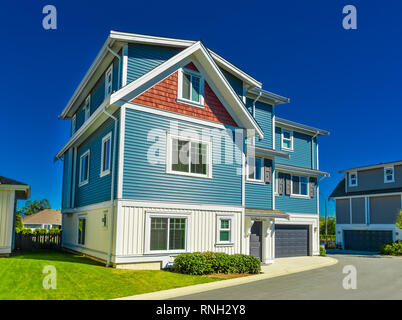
(21,277)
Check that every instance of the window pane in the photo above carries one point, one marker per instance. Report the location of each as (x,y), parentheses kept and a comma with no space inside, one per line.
(180,155)
(287,144)
(258,167)
(186,86)
(286,134)
(106,155)
(251,167)
(296,186)
(159,233)
(225,224)
(195,92)
(303,186)
(81,231)
(177,234)
(224,235)
(198,158)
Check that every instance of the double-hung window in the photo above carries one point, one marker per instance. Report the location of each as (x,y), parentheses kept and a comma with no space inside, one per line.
(191,87)
(255,169)
(189,156)
(109,81)
(353,179)
(105,158)
(389,175)
(87,108)
(225,229)
(167,233)
(84,168)
(82,221)
(300,186)
(287,140)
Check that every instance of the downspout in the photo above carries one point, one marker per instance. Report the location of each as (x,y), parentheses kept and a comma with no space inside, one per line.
(254,102)
(312,150)
(118,71)
(112,169)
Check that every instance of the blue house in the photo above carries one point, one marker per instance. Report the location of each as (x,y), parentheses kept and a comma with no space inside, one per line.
(174,149)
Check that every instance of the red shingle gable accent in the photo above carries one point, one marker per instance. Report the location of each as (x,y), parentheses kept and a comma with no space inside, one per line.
(191,66)
(164,96)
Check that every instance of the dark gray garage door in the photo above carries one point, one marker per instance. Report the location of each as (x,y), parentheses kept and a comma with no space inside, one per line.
(366,240)
(291,240)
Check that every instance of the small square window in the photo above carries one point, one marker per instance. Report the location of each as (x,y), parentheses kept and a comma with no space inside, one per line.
(353,179)
(287,140)
(225,229)
(389,175)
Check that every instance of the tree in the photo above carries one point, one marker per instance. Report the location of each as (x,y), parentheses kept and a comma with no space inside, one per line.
(399,220)
(34,207)
(330,225)
(18,222)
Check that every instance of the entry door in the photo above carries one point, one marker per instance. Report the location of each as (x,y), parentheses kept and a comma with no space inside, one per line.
(256,240)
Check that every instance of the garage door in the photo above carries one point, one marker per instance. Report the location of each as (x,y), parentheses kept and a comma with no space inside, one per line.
(366,240)
(291,240)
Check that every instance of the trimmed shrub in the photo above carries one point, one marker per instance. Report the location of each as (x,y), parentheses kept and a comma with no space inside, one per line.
(55,231)
(199,263)
(36,231)
(323,252)
(392,249)
(26,231)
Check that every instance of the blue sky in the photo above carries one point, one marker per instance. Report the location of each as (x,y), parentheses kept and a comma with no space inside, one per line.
(344,81)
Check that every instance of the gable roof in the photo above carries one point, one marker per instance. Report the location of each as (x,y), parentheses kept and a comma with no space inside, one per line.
(115,42)
(238,110)
(373,166)
(47,216)
(340,191)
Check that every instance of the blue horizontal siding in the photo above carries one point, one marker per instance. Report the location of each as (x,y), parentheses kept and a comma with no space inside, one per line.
(258,196)
(296,205)
(67,180)
(264,117)
(235,83)
(143,58)
(301,154)
(98,188)
(146,181)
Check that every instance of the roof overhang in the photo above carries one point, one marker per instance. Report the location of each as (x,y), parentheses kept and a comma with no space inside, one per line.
(265,213)
(271,98)
(22,192)
(294,169)
(374,166)
(265,152)
(237,108)
(116,40)
(300,127)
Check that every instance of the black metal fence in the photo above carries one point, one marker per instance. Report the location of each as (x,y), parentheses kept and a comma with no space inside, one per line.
(37,241)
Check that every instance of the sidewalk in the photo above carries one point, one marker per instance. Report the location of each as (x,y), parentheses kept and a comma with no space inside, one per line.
(281,267)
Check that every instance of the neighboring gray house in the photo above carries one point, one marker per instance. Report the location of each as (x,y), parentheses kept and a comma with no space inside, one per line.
(368,200)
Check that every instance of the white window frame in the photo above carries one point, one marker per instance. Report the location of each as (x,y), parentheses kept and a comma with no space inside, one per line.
(169,149)
(82,183)
(276,183)
(291,140)
(350,179)
(109,85)
(180,98)
(82,216)
(231,230)
(248,170)
(385,174)
(87,108)
(74,123)
(297,195)
(149,215)
(105,138)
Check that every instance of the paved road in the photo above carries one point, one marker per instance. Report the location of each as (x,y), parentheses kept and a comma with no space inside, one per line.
(378,277)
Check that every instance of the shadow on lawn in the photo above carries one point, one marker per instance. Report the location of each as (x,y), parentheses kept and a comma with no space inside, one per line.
(54,255)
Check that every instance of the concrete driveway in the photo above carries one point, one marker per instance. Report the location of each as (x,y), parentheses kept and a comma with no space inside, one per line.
(378,277)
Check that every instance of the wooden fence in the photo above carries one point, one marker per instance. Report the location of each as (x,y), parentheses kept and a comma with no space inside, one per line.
(37,241)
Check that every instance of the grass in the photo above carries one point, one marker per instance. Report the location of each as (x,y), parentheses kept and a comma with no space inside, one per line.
(80,278)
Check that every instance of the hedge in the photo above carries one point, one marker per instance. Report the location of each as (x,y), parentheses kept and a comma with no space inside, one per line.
(199,263)
(392,249)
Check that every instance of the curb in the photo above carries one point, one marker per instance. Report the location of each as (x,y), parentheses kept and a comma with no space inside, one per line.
(198,288)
